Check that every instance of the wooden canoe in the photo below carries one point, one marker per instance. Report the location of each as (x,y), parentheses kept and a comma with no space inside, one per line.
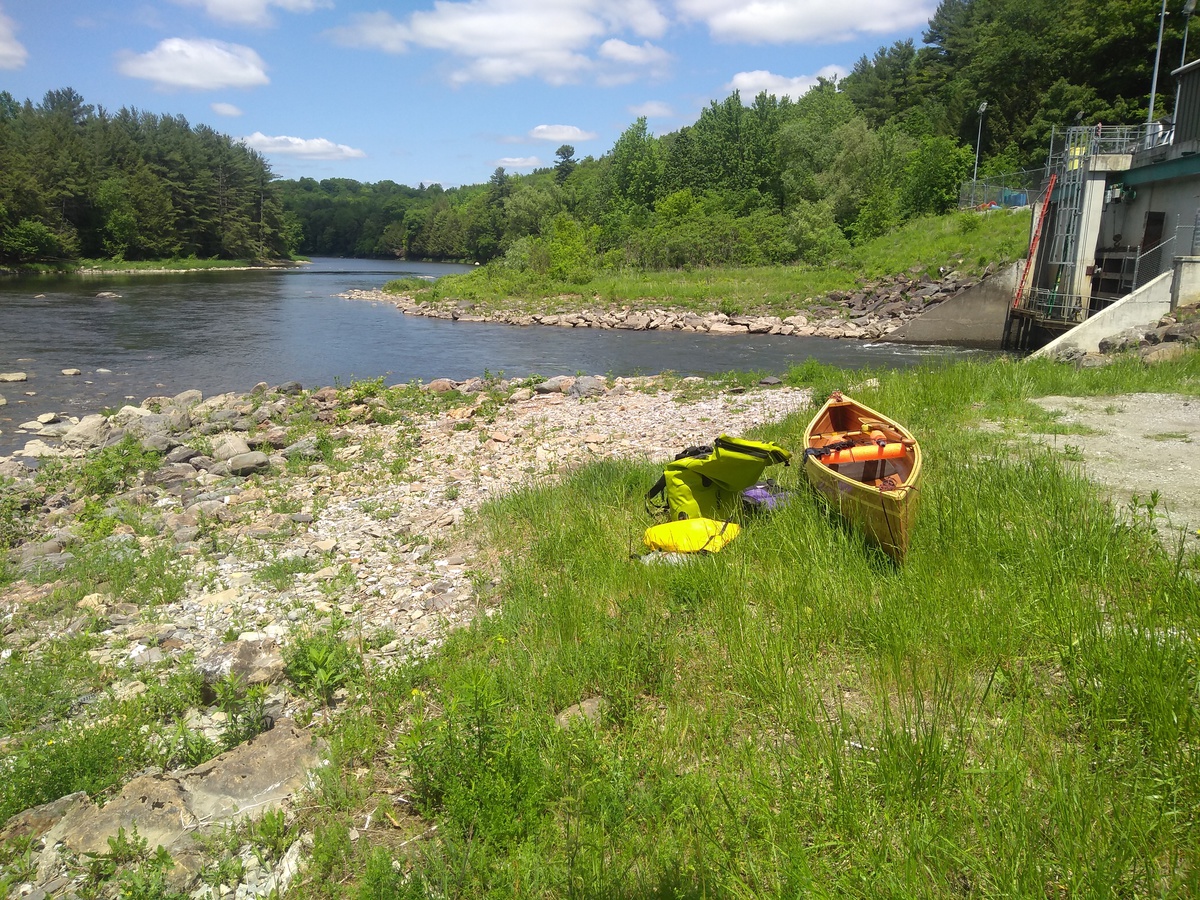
(868,467)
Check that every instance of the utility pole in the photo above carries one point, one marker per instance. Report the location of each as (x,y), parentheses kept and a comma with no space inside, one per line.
(1162,20)
(978,138)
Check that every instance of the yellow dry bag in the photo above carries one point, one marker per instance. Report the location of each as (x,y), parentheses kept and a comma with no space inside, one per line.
(691,535)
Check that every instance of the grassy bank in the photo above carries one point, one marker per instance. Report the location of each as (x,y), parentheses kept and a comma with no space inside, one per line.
(190,264)
(146,266)
(1013,712)
(966,242)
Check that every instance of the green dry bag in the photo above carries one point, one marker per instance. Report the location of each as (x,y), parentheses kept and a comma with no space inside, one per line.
(700,478)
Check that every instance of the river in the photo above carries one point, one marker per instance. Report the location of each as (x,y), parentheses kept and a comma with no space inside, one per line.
(223,331)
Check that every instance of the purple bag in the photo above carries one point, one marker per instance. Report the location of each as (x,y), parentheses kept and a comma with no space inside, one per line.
(765,495)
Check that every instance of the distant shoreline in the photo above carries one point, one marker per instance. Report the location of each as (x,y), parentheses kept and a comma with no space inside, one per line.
(93,271)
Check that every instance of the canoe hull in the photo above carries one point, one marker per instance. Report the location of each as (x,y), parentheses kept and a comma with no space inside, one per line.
(879,496)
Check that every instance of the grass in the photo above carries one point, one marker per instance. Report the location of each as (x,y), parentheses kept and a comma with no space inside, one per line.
(921,246)
(93,753)
(1014,711)
(281,573)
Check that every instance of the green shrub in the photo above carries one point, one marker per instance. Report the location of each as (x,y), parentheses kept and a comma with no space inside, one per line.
(112,469)
(321,662)
(14,526)
(478,765)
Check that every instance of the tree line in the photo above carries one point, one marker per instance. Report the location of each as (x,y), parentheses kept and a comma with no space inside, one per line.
(78,181)
(775,181)
(783,180)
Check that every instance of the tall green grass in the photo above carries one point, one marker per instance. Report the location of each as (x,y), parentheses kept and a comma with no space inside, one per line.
(1011,712)
(964,241)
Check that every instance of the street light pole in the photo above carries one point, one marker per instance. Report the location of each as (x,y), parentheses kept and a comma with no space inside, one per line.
(978,138)
(1162,20)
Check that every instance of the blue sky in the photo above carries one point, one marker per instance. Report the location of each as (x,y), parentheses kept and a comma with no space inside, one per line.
(438,90)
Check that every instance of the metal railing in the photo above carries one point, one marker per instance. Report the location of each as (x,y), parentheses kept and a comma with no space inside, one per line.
(1068,146)
(1053,304)
(1154,261)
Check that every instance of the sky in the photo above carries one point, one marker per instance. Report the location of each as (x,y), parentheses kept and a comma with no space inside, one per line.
(435,90)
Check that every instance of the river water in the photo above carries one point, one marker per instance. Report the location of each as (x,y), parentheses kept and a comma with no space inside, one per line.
(224,331)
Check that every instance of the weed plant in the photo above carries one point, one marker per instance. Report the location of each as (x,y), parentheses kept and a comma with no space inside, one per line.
(320,662)
(281,573)
(1013,711)
(42,686)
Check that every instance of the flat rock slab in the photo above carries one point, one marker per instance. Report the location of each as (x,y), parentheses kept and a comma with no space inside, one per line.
(244,782)
(155,804)
(252,778)
(38,820)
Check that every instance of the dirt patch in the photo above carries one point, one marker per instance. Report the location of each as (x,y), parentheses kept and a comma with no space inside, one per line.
(1135,444)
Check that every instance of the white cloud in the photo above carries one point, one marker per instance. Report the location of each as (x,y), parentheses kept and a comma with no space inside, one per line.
(198,64)
(803,21)
(561,133)
(499,41)
(751,83)
(652,109)
(375,31)
(645,55)
(12,52)
(519,162)
(302,148)
(253,12)
(225,109)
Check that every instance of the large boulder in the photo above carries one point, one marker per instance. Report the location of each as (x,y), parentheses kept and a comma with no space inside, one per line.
(91,431)
(559,384)
(248,463)
(251,661)
(254,777)
(157,805)
(228,446)
(245,782)
(587,386)
(1165,353)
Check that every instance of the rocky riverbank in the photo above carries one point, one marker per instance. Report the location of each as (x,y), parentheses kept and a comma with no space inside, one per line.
(870,313)
(256,520)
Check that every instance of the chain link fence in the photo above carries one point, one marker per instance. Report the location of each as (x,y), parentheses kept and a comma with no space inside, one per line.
(1008,191)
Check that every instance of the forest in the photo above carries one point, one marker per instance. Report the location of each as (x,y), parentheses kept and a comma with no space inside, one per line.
(779,181)
(77,181)
(775,181)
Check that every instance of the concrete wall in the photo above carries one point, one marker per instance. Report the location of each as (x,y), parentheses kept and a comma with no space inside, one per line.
(975,318)
(1185,289)
(1143,306)
(1091,216)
